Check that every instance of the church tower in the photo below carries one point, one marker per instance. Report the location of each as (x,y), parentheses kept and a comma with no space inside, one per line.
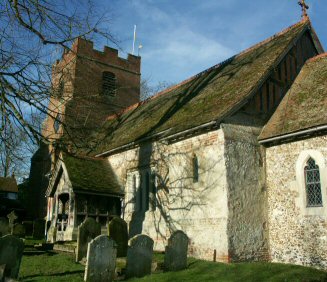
(87,86)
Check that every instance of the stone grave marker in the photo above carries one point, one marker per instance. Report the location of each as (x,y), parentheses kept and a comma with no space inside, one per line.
(38,228)
(2,272)
(87,231)
(12,217)
(11,252)
(19,230)
(176,251)
(101,260)
(139,256)
(117,230)
(4,227)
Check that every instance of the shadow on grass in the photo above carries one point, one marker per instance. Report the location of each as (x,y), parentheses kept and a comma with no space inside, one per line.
(38,253)
(53,274)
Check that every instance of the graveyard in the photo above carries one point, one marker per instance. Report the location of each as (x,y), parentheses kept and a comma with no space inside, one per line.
(26,256)
(53,266)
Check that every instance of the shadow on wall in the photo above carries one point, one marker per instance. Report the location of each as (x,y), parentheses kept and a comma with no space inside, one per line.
(173,198)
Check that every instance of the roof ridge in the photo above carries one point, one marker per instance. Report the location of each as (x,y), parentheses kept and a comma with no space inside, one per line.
(259,44)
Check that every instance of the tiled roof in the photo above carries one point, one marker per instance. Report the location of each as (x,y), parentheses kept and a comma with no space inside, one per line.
(8,184)
(305,104)
(92,175)
(209,96)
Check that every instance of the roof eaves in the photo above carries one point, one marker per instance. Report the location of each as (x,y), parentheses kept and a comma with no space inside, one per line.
(293,134)
(315,39)
(79,190)
(54,179)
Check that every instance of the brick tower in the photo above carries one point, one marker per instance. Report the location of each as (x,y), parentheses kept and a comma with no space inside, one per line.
(88,86)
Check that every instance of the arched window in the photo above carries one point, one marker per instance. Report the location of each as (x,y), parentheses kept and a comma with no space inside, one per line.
(134,185)
(153,190)
(312,184)
(108,83)
(147,190)
(195,163)
(57,122)
(140,194)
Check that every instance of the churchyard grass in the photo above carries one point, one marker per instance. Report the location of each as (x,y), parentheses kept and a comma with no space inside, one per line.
(52,266)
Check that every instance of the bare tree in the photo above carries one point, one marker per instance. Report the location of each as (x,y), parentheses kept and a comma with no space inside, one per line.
(32,34)
(16,151)
(148,90)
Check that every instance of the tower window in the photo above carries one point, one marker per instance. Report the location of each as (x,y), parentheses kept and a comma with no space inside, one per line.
(108,84)
(57,123)
(312,184)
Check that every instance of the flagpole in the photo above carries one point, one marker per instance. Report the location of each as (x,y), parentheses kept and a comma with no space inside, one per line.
(134,39)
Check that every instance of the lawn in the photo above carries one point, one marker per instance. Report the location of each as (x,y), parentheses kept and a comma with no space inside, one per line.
(52,266)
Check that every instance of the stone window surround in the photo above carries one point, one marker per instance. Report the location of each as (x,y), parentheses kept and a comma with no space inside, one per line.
(300,179)
(133,199)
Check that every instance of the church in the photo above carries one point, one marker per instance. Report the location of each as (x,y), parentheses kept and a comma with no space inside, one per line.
(234,156)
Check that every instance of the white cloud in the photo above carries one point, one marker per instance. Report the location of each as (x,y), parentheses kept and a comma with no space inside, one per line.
(185,47)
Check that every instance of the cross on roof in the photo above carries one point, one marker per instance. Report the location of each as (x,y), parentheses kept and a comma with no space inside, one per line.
(304,7)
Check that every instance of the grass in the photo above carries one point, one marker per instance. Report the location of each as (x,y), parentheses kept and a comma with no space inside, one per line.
(52,266)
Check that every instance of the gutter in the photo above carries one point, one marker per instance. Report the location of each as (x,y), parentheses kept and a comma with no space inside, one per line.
(191,130)
(131,144)
(176,135)
(311,130)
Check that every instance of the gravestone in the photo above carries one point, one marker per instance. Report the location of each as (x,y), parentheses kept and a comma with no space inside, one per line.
(2,272)
(38,228)
(11,252)
(19,230)
(101,260)
(4,227)
(117,230)
(139,256)
(12,217)
(87,231)
(176,251)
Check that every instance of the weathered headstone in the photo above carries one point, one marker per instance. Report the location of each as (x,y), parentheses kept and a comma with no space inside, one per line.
(139,256)
(39,228)
(2,272)
(176,251)
(19,230)
(117,230)
(4,227)
(11,252)
(12,217)
(87,231)
(101,260)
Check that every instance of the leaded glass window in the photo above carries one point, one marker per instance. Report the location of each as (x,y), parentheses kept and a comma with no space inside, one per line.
(312,184)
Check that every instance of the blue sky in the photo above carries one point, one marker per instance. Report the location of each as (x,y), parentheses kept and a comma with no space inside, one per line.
(183,37)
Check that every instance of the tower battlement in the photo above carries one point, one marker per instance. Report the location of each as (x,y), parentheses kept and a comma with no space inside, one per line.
(109,56)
